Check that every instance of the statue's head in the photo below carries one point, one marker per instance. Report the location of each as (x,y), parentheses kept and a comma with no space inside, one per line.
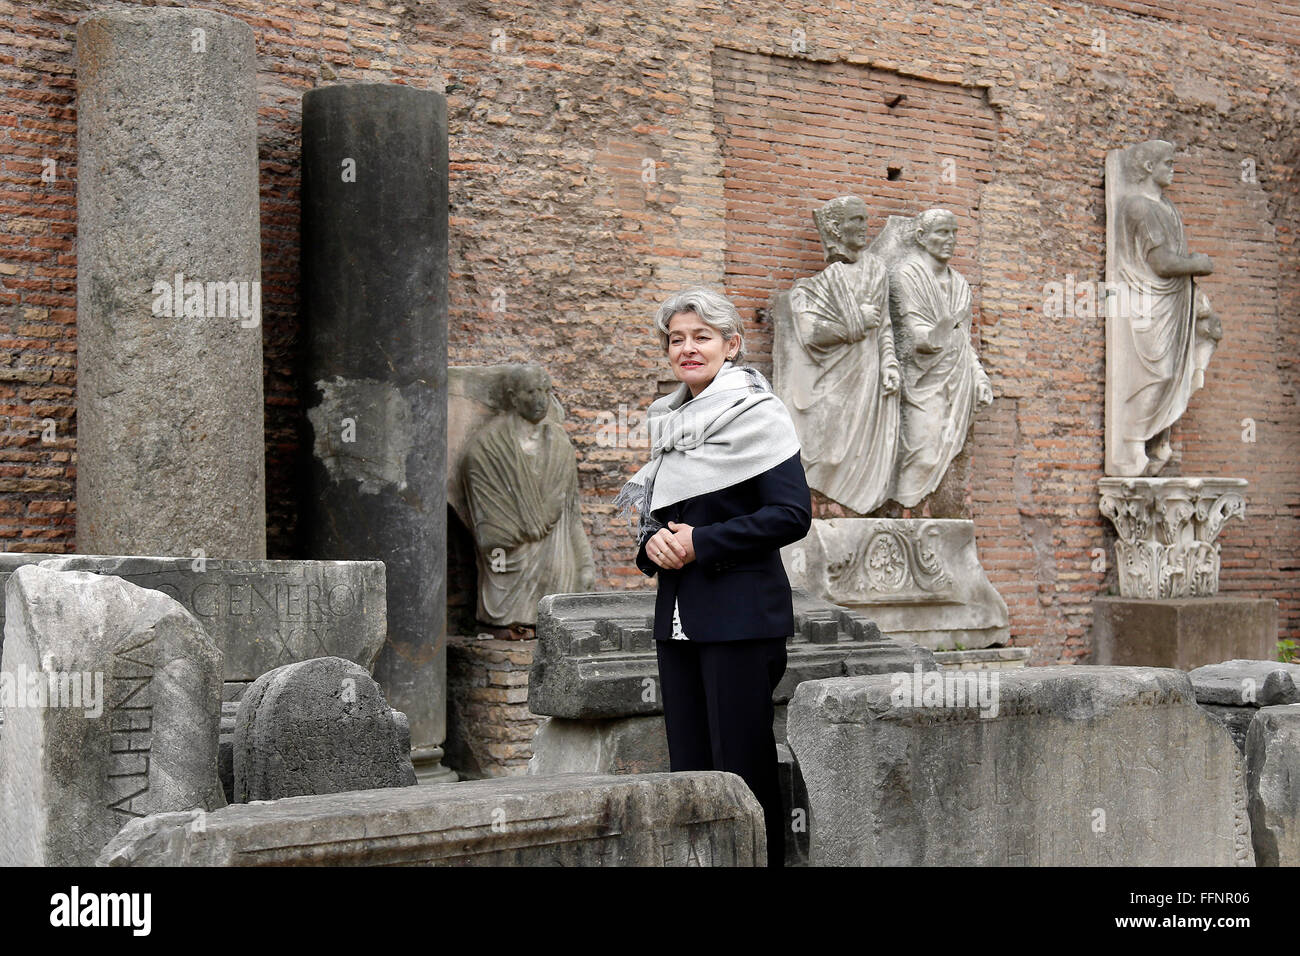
(1152,160)
(528,392)
(936,233)
(842,225)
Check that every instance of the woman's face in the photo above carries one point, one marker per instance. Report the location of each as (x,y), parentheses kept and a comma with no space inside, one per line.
(696,351)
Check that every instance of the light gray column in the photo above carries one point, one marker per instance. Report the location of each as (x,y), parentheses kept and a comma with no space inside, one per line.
(170,447)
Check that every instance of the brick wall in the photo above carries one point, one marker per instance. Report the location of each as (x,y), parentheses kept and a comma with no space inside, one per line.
(795,134)
(592,172)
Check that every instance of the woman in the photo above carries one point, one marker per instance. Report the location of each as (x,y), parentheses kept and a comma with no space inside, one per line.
(723,491)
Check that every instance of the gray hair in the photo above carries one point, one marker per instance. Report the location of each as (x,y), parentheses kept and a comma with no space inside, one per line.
(714,311)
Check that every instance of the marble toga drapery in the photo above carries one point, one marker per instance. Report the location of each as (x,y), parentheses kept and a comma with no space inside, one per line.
(1156,355)
(939,386)
(527,524)
(847,426)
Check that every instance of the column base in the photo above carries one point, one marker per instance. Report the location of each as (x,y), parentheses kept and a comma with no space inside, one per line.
(427,762)
(1182,633)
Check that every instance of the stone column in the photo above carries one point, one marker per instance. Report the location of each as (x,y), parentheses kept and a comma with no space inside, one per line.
(374,260)
(170,446)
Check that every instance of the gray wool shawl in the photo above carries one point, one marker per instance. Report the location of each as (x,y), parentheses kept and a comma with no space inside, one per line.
(734,429)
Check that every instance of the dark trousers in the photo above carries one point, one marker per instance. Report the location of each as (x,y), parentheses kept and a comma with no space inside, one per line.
(718,710)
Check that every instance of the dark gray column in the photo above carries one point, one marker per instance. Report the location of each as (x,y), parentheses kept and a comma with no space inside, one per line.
(374,261)
(170,446)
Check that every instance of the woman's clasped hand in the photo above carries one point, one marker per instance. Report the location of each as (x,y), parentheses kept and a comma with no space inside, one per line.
(671,547)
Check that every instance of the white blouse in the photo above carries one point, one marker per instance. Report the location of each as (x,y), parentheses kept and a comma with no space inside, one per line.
(678,633)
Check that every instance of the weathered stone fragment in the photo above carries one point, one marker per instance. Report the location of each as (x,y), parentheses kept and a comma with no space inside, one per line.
(704,818)
(596,658)
(318,726)
(1273,784)
(1241,683)
(1235,690)
(1040,766)
(640,745)
(117,719)
(264,614)
(918,579)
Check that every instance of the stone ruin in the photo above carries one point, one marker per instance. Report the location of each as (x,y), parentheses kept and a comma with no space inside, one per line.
(161,707)
(595,675)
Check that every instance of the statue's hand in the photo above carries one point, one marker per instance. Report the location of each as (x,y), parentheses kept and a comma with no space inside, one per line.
(587,579)
(870,314)
(925,343)
(827,333)
(889,380)
(1201,264)
(983,394)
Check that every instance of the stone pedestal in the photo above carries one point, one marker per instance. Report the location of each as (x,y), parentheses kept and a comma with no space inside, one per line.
(918,579)
(374,264)
(1184,634)
(1041,766)
(1167,529)
(617,745)
(170,446)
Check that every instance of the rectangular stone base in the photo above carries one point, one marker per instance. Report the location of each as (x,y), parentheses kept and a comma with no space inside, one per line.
(640,745)
(1183,633)
(700,818)
(918,579)
(1058,766)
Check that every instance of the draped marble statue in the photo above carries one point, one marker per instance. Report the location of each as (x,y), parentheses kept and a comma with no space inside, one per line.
(841,383)
(943,384)
(1160,333)
(876,342)
(521,489)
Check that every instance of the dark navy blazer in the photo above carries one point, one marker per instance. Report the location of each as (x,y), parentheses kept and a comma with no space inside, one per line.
(736,588)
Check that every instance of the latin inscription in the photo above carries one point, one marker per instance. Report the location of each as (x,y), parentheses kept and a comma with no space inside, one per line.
(276,621)
(293,603)
(130,727)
